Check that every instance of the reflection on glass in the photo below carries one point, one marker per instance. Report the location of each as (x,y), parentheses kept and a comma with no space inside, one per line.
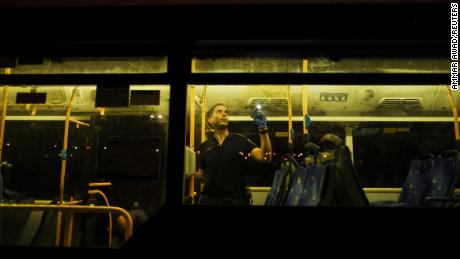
(112,156)
(379,129)
(94,65)
(320,65)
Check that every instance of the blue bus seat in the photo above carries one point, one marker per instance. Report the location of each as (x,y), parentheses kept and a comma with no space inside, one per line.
(441,180)
(297,186)
(319,186)
(412,193)
(282,182)
(431,181)
(273,197)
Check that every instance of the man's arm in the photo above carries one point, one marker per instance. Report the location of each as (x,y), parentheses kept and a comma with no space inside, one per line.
(199,176)
(264,153)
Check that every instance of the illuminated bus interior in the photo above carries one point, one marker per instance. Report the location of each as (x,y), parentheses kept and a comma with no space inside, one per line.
(105,124)
(67,145)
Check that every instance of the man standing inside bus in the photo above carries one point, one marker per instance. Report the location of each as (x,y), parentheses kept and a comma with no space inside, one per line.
(223,159)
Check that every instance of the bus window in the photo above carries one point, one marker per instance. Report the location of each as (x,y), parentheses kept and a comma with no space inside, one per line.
(92,65)
(318,64)
(100,149)
(383,127)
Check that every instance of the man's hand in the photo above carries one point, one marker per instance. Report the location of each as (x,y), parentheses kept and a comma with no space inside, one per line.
(259,119)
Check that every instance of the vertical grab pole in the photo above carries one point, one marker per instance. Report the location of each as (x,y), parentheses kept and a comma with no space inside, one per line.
(8,71)
(290,118)
(204,110)
(63,167)
(106,200)
(2,133)
(304,98)
(68,228)
(191,183)
(192,117)
(204,124)
(192,139)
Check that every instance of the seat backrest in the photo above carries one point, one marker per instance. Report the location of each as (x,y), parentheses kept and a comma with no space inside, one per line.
(297,186)
(412,192)
(431,177)
(282,182)
(311,153)
(442,178)
(318,189)
(348,189)
(273,197)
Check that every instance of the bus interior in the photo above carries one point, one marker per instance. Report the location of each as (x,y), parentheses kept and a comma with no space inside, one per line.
(100,127)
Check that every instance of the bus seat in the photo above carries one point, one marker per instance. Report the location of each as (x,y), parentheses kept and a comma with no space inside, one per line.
(297,186)
(430,182)
(282,182)
(311,153)
(348,189)
(275,192)
(319,186)
(412,192)
(441,180)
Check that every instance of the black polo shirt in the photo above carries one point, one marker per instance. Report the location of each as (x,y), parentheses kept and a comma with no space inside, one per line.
(225,165)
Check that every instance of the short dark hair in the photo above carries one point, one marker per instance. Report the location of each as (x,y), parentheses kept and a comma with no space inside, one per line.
(210,112)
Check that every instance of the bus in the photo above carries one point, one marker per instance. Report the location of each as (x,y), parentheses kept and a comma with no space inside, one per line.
(102,121)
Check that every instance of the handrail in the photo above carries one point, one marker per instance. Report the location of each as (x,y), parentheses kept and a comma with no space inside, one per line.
(99,184)
(102,194)
(79,122)
(31,109)
(78,209)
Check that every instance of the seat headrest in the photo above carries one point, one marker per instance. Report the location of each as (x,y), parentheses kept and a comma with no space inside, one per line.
(449,153)
(331,141)
(326,156)
(425,156)
(311,148)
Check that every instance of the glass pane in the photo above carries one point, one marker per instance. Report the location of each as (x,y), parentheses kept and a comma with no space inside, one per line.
(246,65)
(116,152)
(95,65)
(378,65)
(320,65)
(385,128)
